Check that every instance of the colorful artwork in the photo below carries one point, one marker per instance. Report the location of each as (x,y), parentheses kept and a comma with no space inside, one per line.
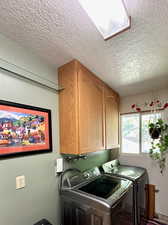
(23,128)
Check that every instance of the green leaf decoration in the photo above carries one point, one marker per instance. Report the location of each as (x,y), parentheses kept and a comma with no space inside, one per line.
(159,134)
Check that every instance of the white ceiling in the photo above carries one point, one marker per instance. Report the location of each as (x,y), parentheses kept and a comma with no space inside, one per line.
(133,62)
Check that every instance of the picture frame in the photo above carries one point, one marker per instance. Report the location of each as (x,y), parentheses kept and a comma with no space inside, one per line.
(24,129)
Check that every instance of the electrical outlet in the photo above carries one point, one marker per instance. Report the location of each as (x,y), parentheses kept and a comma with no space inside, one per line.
(20,182)
(59,165)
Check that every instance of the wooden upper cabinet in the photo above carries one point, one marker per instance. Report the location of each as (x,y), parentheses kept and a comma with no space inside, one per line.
(111,118)
(91,112)
(68,108)
(83,107)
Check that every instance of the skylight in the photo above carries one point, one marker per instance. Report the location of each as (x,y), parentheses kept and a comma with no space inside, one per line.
(109,16)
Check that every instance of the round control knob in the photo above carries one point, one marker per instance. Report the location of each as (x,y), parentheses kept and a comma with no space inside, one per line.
(86,175)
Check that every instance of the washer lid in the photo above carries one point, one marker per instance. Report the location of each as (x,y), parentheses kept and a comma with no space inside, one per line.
(105,189)
(102,186)
(130,172)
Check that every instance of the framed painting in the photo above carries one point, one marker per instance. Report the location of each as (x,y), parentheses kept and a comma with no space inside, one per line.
(24,129)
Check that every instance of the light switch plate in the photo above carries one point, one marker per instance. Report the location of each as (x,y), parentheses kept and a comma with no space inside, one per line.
(20,182)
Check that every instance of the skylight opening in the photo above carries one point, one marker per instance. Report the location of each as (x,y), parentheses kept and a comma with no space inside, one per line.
(109,16)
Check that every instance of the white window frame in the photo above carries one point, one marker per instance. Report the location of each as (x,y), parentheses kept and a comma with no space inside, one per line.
(140,132)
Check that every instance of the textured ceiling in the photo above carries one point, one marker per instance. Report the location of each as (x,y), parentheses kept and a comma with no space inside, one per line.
(59,30)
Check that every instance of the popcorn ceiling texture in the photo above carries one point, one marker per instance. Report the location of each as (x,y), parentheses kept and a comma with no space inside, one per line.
(60,30)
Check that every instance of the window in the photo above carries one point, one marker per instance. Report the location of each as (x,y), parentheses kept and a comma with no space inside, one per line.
(134,132)
(130,133)
(109,16)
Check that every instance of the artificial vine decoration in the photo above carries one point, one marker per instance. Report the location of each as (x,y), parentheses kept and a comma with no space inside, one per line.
(159,149)
(153,106)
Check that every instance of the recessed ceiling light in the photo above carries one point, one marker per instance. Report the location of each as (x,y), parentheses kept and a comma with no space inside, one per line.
(109,16)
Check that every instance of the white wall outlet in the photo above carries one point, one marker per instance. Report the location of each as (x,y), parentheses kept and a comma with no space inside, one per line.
(59,165)
(20,182)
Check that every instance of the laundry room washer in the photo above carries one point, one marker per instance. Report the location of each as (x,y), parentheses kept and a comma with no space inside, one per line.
(92,198)
(138,176)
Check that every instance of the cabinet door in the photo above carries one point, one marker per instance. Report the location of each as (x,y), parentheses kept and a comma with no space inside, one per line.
(111,119)
(91,112)
(68,112)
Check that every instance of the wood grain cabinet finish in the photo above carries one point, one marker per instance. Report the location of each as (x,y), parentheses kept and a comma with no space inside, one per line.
(82,110)
(91,112)
(111,119)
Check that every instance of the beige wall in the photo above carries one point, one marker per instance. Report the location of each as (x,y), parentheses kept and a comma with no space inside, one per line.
(161,181)
(126,102)
(39,199)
